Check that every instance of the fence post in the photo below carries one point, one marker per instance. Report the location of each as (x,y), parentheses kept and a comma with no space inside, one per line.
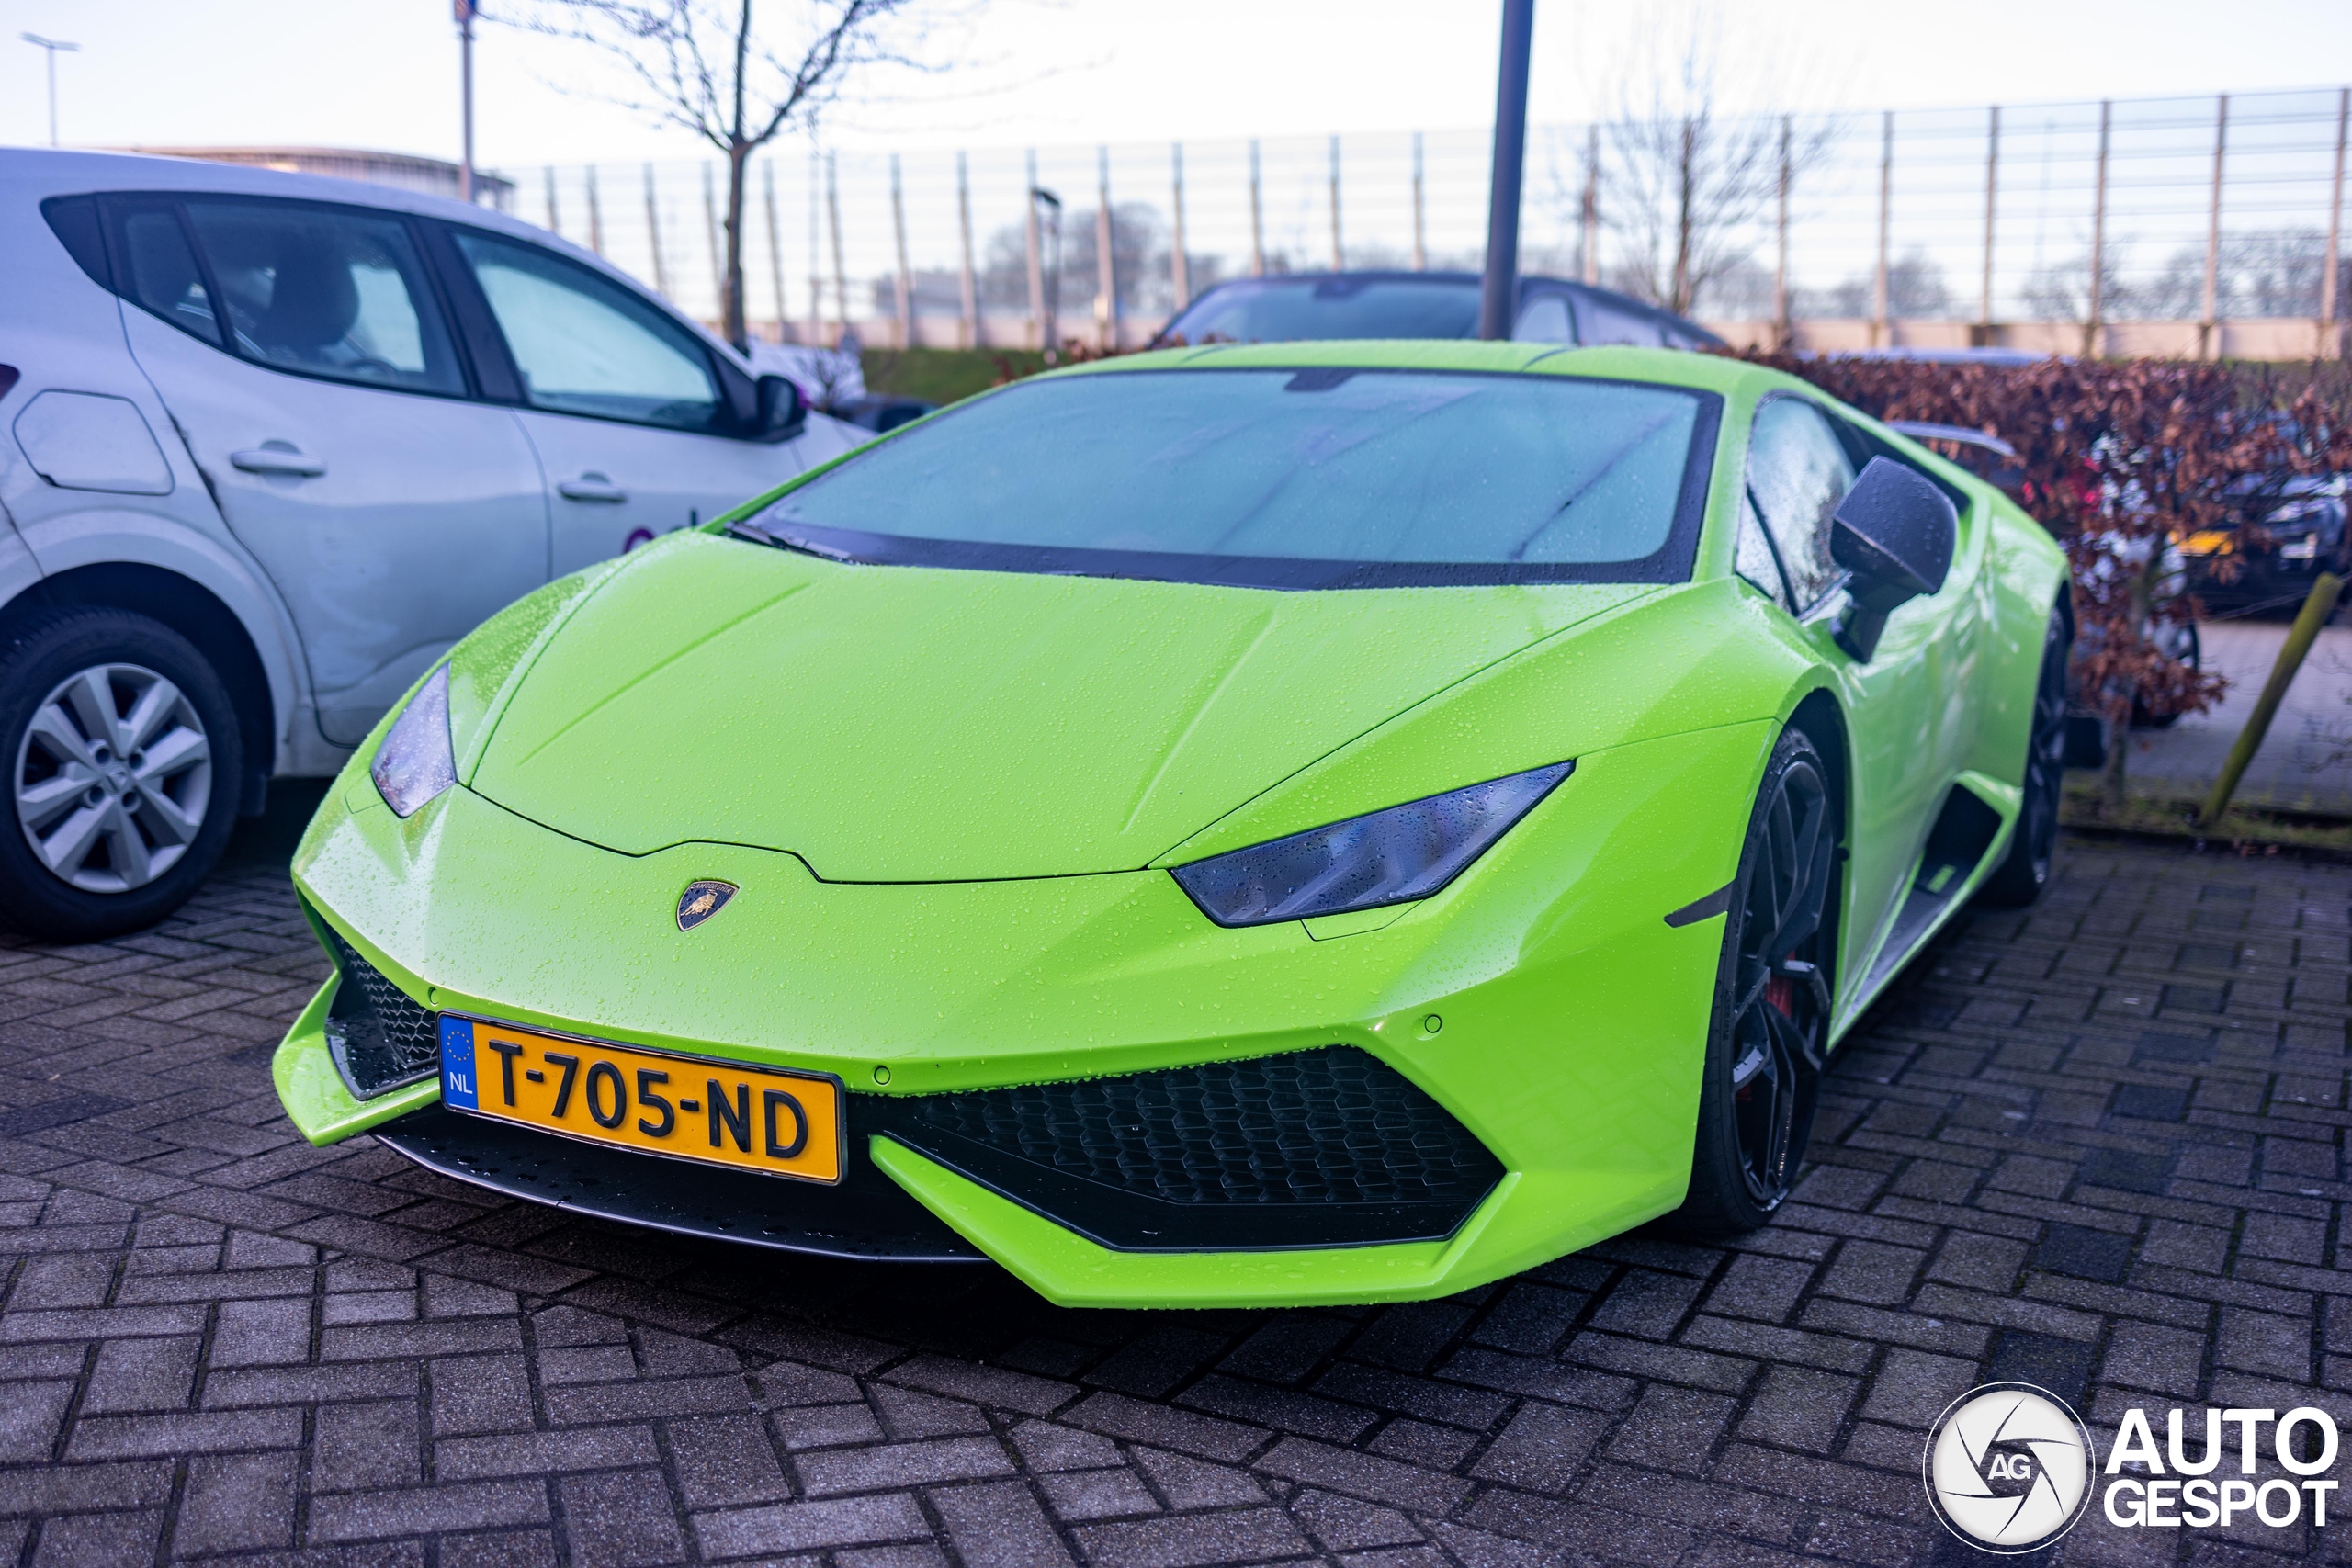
(1782,332)
(972,333)
(596,215)
(2329,347)
(1420,226)
(2098,236)
(906,279)
(1179,267)
(1591,269)
(1879,302)
(816,268)
(775,245)
(654,236)
(1256,218)
(710,239)
(1339,252)
(555,222)
(1992,202)
(2208,338)
(1036,264)
(841,271)
(1107,275)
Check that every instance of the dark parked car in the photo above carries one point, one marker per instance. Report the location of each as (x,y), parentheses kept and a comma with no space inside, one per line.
(1303,305)
(2298,533)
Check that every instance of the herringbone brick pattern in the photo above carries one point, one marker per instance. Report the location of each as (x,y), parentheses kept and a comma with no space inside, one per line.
(2095,1146)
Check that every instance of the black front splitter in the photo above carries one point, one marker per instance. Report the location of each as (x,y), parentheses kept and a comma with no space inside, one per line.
(867,1217)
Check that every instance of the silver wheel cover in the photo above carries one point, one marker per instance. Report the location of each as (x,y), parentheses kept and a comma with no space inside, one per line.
(113,778)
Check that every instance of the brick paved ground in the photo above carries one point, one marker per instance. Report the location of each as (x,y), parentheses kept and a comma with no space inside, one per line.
(2096,1148)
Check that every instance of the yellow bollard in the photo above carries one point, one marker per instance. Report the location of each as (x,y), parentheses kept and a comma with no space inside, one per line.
(2313,616)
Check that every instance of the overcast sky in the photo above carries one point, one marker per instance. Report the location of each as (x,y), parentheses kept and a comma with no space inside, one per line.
(383,73)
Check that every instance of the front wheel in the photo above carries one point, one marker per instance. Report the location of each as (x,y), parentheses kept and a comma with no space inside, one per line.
(2025,871)
(1769,1028)
(123,758)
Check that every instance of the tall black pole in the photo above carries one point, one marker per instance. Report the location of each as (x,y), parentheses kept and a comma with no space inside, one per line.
(1498,299)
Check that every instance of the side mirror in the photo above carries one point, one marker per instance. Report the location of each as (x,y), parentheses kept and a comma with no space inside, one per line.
(1894,532)
(783,413)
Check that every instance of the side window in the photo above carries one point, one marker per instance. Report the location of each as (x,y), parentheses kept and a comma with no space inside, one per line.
(1797,473)
(324,291)
(583,345)
(1545,319)
(160,273)
(1605,322)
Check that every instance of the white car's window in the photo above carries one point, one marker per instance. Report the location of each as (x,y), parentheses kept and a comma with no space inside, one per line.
(327,292)
(162,274)
(583,345)
(1797,473)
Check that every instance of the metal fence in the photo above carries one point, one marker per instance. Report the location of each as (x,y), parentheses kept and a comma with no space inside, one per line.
(2216,222)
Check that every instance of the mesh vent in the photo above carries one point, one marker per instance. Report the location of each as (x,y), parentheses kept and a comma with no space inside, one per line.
(1335,1125)
(380,1039)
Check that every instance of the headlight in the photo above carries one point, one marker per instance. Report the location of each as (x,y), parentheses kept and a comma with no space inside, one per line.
(415,762)
(1388,857)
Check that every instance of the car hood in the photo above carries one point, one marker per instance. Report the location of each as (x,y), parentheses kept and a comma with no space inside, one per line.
(891,724)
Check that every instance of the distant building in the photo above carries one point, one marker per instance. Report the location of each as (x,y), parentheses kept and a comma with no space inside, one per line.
(430,175)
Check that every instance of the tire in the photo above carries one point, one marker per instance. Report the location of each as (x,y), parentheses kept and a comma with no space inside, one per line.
(126,708)
(2026,870)
(1770,1027)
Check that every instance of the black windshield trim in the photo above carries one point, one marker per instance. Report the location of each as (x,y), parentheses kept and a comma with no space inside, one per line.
(1671,562)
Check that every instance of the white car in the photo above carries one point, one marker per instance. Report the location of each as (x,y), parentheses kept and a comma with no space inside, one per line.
(270,444)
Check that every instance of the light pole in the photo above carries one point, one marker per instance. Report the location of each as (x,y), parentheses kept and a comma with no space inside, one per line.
(54,48)
(1498,297)
(465,16)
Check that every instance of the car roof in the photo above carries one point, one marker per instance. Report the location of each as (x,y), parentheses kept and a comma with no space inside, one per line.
(1626,302)
(34,173)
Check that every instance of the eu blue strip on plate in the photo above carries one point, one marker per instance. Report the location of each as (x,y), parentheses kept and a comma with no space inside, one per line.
(458,1087)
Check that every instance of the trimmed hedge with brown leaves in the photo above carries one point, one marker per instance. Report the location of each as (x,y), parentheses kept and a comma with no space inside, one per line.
(2121,457)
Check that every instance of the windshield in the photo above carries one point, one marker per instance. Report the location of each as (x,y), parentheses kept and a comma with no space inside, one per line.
(1281,479)
(1293,309)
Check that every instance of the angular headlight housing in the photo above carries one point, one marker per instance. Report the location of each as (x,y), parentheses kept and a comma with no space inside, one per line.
(1394,856)
(416,762)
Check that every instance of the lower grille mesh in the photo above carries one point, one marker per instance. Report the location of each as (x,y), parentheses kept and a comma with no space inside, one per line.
(1334,1126)
(380,1038)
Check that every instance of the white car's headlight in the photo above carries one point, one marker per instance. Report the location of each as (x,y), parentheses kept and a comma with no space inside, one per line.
(1385,857)
(415,762)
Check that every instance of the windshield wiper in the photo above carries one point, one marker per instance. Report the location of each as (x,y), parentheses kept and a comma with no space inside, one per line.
(759,536)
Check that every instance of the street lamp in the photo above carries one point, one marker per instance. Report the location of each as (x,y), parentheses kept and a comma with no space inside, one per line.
(54,48)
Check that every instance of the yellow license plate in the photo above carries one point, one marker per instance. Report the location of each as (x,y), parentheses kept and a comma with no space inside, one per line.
(761,1119)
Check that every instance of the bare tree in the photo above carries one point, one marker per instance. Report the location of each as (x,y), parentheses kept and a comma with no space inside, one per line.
(1681,180)
(707,67)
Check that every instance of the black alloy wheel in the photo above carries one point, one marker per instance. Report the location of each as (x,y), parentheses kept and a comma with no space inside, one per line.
(1770,1025)
(2025,871)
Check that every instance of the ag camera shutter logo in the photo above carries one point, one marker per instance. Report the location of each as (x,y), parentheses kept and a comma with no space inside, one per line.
(2008,1467)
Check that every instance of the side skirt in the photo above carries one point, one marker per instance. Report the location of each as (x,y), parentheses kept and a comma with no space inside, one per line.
(1966,842)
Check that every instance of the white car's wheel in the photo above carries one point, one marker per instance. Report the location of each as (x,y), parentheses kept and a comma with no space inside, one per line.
(123,760)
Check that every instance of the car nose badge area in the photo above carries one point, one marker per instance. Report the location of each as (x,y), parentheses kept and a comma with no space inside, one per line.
(701,900)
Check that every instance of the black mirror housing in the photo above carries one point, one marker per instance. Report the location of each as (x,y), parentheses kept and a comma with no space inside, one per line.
(783,413)
(1895,533)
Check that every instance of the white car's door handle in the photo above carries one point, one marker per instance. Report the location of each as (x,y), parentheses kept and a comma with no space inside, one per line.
(277,458)
(590,486)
